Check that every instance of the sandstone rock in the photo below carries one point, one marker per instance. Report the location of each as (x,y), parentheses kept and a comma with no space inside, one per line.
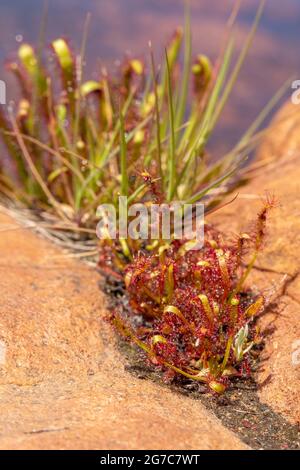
(283,138)
(62,380)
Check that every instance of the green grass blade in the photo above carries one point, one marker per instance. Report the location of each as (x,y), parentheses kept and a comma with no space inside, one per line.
(186,69)
(239,64)
(212,103)
(200,141)
(171,162)
(199,195)
(194,141)
(123,158)
(107,150)
(173,50)
(35,173)
(157,113)
(250,139)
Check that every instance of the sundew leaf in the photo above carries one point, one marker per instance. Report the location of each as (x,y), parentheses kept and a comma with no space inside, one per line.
(89,87)
(64,55)
(67,65)
(157,113)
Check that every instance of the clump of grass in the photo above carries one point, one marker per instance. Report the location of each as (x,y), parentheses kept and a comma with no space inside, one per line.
(199,318)
(74,143)
(60,141)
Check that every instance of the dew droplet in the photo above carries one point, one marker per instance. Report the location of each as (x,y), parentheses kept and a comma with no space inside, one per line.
(19,38)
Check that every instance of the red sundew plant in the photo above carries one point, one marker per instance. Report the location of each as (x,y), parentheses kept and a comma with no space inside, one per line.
(199,316)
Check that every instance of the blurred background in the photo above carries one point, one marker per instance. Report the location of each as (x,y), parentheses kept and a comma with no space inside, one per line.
(120,27)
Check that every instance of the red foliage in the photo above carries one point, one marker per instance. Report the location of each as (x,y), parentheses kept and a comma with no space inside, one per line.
(198,316)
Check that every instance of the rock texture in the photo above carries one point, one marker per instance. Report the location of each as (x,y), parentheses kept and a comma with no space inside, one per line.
(62,381)
(283,137)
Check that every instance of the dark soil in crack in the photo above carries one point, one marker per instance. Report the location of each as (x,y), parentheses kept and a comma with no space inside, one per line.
(239,409)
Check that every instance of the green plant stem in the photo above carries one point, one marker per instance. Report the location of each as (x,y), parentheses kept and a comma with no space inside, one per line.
(172,162)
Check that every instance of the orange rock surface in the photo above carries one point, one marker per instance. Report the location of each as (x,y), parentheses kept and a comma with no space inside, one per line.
(62,380)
